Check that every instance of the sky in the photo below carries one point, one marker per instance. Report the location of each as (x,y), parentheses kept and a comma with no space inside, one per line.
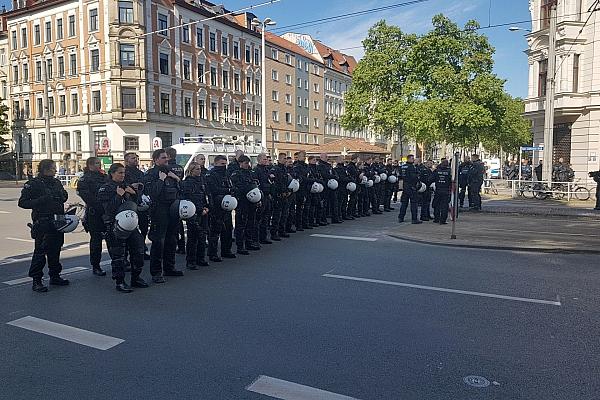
(511,61)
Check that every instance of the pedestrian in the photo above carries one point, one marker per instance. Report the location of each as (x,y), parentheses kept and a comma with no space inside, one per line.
(119,201)
(264,176)
(538,170)
(442,177)
(135,178)
(87,188)
(218,185)
(45,196)
(244,182)
(410,179)
(476,174)
(194,190)
(162,185)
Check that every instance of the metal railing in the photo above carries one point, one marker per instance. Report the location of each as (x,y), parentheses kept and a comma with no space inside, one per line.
(576,190)
(68,180)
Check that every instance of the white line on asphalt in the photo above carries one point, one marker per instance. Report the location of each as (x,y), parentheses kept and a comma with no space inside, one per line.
(81,246)
(66,332)
(5,212)
(285,390)
(20,240)
(345,237)
(28,279)
(437,289)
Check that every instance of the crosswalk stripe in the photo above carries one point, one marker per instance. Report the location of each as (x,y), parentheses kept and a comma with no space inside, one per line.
(285,390)
(360,239)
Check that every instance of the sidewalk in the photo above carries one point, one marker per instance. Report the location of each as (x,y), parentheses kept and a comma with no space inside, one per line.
(502,204)
(508,232)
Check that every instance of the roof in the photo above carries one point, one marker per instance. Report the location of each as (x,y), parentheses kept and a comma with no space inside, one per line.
(339,58)
(286,44)
(350,145)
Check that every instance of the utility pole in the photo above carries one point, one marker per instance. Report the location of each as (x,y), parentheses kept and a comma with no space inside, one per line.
(550,90)
(47,112)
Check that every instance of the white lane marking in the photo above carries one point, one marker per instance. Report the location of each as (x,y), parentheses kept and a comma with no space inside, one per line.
(66,332)
(438,289)
(285,390)
(345,237)
(5,212)
(28,279)
(20,240)
(81,246)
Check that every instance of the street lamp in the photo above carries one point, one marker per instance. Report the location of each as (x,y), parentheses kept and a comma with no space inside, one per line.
(516,28)
(264,24)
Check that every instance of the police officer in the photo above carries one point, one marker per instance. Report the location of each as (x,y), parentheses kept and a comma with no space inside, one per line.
(281,194)
(388,186)
(135,178)
(197,227)
(87,188)
(177,170)
(353,173)
(264,176)
(371,201)
(290,222)
(234,164)
(330,196)
(316,201)
(463,180)
(218,185)
(425,197)
(114,196)
(343,178)
(442,177)
(162,185)
(475,182)
(410,178)
(243,181)
(596,176)
(363,191)
(300,172)
(45,196)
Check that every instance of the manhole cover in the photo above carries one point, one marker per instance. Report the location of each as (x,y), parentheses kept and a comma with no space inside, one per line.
(476,381)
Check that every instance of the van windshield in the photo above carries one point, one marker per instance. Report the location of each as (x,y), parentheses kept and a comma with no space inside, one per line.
(182,159)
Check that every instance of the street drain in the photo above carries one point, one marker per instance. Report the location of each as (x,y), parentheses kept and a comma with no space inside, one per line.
(476,381)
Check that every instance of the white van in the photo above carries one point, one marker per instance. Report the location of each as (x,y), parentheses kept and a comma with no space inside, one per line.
(493,168)
(210,147)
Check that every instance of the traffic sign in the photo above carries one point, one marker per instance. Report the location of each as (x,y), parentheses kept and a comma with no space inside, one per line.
(537,148)
(156,143)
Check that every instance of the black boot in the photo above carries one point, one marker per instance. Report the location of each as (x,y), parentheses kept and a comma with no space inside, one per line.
(58,281)
(138,282)
(123,288)
(191,265)
(98,271)
(38,286)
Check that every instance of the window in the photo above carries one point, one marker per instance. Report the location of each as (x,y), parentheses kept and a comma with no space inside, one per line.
(542,76)
(316,87)
(95,60)
(37,36)
(299,101)
(288,98)
(275,95)
(236,82)
(305,103)
(248,116)
(299,64)
(300,83)
(127,55)
(225,79)
(40,108)
(166,137)
(248,54)
(545,10)
(164,63)
(213,42)
(236,50)
(42,142)
(226,112)
(126,12)
(575,73)
(237,115)
(274,54)
(316,104)
(4,89)
(132,143)
(257,117)
(275,136)
(306,122)
(274,75)
(187,70)
(128,98)
(248,84)
(201,73)
(187,107)
(27,110)
(71,25)
(185,31)
(59,29)
(3,60)
(299,119)
(316,138)
(93,19)
(54,143)
(288,59)
(305,84)
(288,117)
(16,74)
(225,46)
(48,31)
(257,86)
(73,63)
(165,104)
(16,110)
(201,109)
(306,66)
(256,57)
(23,38)
(288,137)
(62,105)
(61,66)
(14,40)
(49,68)
(288,79)
(74,104)
(200,36)
(38,71)
(213,76)
(214,115)
(163,24)
(96,101)
(51,106)
(316,123)
(77,140)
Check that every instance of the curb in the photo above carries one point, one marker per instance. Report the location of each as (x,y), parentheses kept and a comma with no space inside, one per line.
(489,247)
(553,213)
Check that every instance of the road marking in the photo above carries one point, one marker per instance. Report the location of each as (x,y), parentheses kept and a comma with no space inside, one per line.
(438,289)
(285,390)
(66,332)
(538,232)
(81,246)
(28,279)
(345,237)
(5,212)
(20,240)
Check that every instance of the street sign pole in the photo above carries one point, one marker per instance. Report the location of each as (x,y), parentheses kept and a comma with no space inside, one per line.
(455,190)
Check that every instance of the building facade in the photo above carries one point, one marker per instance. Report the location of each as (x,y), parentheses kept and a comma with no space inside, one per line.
(577,77)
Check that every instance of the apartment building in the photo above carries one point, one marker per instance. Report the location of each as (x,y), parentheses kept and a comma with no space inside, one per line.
(577,105)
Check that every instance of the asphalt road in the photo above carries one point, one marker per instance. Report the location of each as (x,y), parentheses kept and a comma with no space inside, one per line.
(391,320)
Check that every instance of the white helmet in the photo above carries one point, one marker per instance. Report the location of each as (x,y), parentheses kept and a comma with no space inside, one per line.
(125,222)
(351,186)
(369,183)
(144,203)
(377,179)
(421,187)
(332,184)
(383,177)
(187,209)
(254,196)
(314,188)
(364,180)
(229,203)
(321,188)
(66,223)
(294,185)
(392,179)
(432,186)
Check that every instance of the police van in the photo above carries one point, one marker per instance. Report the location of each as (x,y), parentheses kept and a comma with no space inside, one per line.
(189,147)
(493,168)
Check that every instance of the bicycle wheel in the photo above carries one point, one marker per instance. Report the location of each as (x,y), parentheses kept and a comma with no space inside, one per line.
(527,192)
(540,194)
(582,193)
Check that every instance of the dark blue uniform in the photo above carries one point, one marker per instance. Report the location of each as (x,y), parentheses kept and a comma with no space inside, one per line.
(197,227)
(410,178)
(442,177)
(218,185)
(87,188)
